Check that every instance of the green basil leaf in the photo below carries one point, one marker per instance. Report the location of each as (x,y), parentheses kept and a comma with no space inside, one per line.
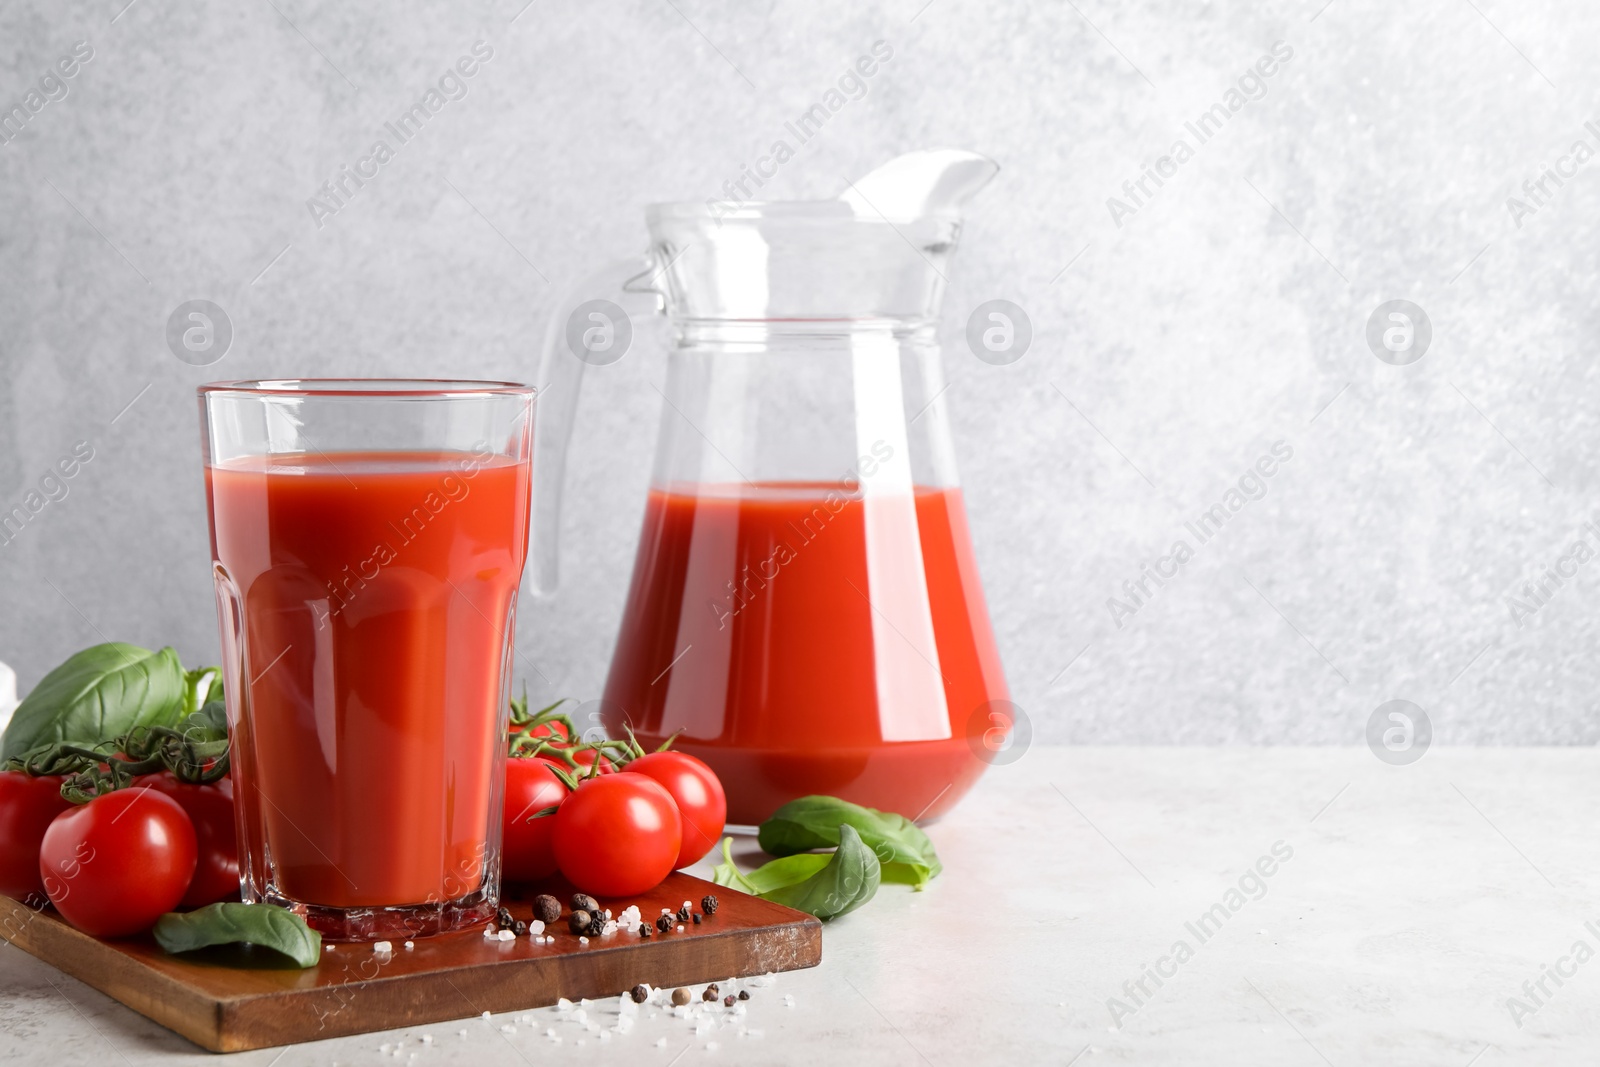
(263,925)
(779,874)
(210,723)
(727,872)
(847,880)
(97,695)
(201,686)
(906,854)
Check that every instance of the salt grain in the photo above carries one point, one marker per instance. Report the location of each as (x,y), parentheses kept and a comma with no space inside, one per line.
(382,948)
(506,935)
(583,940)
(563,1004)
(680,928)
(661,1042)
(536,928)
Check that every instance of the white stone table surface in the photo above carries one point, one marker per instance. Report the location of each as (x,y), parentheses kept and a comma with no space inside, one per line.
(1416,901)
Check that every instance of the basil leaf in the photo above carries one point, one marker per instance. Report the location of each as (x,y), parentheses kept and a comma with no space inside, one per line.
(201,686)
(810,823)
(97,695)
(848,880)
(210,723)
(263,925)
(779,874)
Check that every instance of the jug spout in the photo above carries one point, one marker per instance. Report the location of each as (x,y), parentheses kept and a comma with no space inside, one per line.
(934,182)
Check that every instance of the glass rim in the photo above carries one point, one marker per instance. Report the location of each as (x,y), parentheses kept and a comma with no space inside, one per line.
(382,388)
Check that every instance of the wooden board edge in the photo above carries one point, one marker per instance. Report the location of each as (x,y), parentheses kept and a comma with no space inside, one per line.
(360,1007)
(97,964)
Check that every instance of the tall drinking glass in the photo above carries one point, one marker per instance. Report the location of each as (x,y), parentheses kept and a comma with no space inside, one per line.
(367,541)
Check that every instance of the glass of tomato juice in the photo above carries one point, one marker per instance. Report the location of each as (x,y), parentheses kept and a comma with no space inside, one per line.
(367,542)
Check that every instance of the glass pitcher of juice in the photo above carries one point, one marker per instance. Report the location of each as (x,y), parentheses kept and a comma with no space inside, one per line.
(805,612)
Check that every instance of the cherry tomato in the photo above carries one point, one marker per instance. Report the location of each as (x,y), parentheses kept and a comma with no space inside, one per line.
(115,865)
(698,793)
(210,809)
(617,835)
(531,786)
(27,806)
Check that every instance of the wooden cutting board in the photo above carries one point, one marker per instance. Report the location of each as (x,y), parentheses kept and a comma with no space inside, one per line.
(233,999)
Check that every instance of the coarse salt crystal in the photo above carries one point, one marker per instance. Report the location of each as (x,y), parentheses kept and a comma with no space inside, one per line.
(608,913)
(661,1042)
(507,1028)
(485,1015)
(507,935)
(382,948)
(410,945)
(788,1000)
(583,940)
(609,928)
(536,927)
(427,1039)
(680,928)
(563,1004)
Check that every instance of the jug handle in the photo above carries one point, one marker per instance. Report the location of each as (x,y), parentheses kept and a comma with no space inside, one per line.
(556,401)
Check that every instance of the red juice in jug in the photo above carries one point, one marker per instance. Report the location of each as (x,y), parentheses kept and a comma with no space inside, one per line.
(807,640)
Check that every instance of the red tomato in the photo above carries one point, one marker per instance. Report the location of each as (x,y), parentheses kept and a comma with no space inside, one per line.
(27,806)
(698,793)
(617,835)
(115,865)
(210,809)
(527,853)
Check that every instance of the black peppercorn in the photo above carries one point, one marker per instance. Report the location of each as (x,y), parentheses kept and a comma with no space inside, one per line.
(519,928)
(578,921)
(597,925)
(584,902)
(664,923)
(710,995)
(644,929)
(744,994)
(729,1001)
(708,904)
(683,914)
(697,918)
(640,994)
(546,908)
(503,917)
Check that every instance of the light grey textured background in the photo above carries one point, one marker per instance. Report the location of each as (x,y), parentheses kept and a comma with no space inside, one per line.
(1169,352)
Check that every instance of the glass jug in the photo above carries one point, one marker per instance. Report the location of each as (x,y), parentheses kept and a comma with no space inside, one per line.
(805,612)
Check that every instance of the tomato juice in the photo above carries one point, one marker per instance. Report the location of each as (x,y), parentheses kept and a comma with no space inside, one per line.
(810,640)
(372,594)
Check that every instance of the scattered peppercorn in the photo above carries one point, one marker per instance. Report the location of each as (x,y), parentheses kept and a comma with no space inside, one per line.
(519,927)
(683,914)
(503,917)
(584,902)
(709,904)
(664,923)
(546,908)
(680,996)
(744,994)
(578,921)
(644,929)
(697,918)
(729,1001)
(597,925)
(640,994)
(710,995)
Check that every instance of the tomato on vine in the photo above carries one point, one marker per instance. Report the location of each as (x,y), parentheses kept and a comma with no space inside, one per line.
(617,834)
(115,865)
